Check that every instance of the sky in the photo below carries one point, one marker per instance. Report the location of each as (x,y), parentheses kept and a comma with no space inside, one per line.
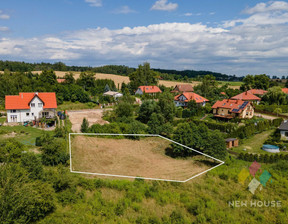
(231,37)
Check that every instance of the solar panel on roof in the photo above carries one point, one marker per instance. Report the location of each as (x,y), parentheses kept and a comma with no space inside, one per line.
(235,110)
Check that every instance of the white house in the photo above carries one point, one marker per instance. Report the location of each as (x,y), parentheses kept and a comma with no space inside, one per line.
(182,99)
(284,130)
(113,94)
(30,106)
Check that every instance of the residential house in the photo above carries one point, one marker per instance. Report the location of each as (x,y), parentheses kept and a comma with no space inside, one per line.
(246,96)
(257,92)
(151,90)
(229,109)
(283,128)
(182,88)
(113,94)
(285,90)
(61,80)
(30,106)
(182,99)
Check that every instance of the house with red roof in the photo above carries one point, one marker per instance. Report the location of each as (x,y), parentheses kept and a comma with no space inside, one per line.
(257,92)
(182,88)
(246,96)
(229,109)
(151,90)
(285,90)
(61,80)
(30,106)
(182,99)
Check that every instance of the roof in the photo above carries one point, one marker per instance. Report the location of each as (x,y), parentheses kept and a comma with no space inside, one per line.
(111,93)
(246,96)
(260,92)
(223,93)
(22,100)
(150,89)
(191,96)
(230,139)
(285,90)
(235,106)
(183,88)
(284,126)
(60,80)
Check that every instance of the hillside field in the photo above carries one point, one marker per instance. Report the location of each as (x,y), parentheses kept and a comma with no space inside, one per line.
(118,79)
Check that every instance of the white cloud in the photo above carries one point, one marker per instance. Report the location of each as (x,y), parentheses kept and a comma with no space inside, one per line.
(94,3)
(4,29)
(3,15)
(255,44)
(163,5)
(124,10)
(192,14)
(267,7)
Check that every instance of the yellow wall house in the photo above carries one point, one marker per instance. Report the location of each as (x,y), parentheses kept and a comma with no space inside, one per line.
(229,109)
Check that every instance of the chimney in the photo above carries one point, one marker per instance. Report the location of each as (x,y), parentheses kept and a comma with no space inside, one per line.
(36,93)
(21,95)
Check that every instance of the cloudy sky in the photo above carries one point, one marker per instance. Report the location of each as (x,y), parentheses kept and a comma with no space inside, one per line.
(232,37)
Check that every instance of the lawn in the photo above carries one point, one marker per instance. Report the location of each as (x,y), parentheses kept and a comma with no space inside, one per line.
(143,158)
(255,143)
(25,135)
(231,83)
(76,106)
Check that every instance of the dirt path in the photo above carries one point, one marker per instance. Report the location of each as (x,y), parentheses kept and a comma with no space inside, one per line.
(94,116)
(144,158)
(265,116)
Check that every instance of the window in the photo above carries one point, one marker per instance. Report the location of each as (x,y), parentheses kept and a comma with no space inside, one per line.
(45,114)
(32,104)
(13,111)
(32,114)
(13,118)
(27,114)
(40,104)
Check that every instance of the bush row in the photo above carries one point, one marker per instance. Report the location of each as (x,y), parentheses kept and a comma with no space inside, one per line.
(265,158)
(271,108)
(254,128)
(223,127)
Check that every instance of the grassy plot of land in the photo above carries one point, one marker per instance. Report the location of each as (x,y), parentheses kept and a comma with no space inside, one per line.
(143,158)
(25,135)
(254,144)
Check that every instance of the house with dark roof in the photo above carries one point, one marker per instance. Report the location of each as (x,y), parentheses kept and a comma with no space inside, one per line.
(257,92)
(151,90)
(246,96)
(229,109)
(182,88)
(283,128)
(30,106)
(182,99)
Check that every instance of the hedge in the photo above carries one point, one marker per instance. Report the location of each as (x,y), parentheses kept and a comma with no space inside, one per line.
(265,158)
(271,108)
(250,129)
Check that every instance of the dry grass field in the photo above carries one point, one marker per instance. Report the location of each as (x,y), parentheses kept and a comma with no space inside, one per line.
(94,116)
(118,79)
(143,158)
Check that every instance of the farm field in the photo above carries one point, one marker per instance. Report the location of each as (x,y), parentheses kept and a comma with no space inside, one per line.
(94,116)
(144,158)
(118,79)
